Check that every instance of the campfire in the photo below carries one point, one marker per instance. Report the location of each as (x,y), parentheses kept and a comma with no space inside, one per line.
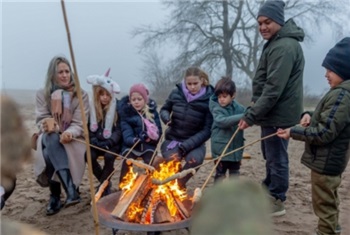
(154,197)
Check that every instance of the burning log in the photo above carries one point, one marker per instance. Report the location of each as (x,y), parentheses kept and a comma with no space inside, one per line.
(181,208)
(141,187)
(142,201)
(161,213)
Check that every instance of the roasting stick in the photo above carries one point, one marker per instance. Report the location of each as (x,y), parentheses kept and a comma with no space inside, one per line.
(101,149)
(158,145)
(237,149)
(106,182)
(198,192)
(175,176)
(129,161)
(219,159)
(192,170)
(160,141)
(83,117)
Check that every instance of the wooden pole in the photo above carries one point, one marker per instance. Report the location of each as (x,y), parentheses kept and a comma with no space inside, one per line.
(86,132)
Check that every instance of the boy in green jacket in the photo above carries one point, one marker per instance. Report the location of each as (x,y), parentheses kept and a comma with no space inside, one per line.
(226,114)
(326,133)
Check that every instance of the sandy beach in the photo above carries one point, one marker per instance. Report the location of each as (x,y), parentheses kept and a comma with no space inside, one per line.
(28,202)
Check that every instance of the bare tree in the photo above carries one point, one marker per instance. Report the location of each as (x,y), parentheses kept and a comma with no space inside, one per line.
(223,37)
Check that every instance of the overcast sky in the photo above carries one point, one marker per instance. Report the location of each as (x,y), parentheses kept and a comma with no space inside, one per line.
(34,31)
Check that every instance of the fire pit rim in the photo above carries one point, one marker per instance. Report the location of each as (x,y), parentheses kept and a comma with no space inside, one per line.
(105,206)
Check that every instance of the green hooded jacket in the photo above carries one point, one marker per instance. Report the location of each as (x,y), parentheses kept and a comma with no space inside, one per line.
(225,124)
(278,81)
(327,138)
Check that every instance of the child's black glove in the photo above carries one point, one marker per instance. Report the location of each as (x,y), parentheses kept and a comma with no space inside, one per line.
(104,144)
(182,150)
(93,141)
(143,136)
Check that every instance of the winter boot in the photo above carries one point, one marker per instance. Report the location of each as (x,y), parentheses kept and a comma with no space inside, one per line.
(68,185)
(55,201)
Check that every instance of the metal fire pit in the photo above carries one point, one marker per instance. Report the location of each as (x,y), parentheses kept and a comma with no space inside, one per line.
(106,205)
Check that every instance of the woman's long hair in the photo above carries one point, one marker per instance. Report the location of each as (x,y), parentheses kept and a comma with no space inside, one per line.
(51,75)
(101,111)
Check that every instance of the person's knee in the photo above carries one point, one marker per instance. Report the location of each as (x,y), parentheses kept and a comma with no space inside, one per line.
(53,136)
(194,160)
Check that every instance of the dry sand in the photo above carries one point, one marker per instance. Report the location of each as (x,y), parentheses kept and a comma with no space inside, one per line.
(28,202)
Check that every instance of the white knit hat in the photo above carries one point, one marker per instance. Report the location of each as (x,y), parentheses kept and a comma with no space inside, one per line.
(113,88)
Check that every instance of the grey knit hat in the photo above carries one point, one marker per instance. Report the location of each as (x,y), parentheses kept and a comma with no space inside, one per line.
(338,59)
(273,9)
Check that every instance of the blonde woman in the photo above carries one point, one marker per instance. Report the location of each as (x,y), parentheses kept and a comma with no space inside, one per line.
(59,159)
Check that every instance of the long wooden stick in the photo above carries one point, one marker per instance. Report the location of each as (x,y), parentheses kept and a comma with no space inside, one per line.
(101,149)
(86,132)
(106,181)
(158,145)
(219,159)
(160,140)
(237,149)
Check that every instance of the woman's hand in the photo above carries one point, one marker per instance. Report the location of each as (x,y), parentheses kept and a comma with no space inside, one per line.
(66,137)
(48,125)
(283,133)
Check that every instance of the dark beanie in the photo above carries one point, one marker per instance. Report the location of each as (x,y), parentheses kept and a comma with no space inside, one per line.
(338,59)
(274,10)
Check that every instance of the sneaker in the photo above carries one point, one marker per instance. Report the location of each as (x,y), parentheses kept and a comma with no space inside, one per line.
(277,208)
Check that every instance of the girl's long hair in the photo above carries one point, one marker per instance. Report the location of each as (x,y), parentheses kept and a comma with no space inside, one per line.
(196,71)
(145,111)
(102,111)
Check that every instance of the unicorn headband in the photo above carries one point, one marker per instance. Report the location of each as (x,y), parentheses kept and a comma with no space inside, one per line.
(113,88)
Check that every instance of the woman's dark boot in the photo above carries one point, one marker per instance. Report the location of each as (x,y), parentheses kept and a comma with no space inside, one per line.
(55,200)
(68,185)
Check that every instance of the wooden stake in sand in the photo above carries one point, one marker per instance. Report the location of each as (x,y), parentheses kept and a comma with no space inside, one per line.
(86,132)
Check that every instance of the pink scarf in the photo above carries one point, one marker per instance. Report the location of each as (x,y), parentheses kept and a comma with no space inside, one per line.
(61,100)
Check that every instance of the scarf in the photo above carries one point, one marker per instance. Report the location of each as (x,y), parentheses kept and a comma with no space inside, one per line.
(61,100)
(190,97)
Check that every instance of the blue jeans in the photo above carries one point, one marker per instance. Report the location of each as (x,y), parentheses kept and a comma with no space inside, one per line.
(275,153)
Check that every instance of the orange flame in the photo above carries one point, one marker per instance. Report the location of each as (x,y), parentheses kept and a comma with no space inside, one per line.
(128,181)
(166,192)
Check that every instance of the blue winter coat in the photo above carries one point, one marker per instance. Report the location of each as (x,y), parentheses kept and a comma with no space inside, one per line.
(132,125)
(225,124)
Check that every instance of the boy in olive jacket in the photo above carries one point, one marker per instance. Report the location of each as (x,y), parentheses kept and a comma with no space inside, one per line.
(326,133)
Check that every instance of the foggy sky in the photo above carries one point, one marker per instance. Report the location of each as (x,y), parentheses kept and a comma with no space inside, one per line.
(34,32)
